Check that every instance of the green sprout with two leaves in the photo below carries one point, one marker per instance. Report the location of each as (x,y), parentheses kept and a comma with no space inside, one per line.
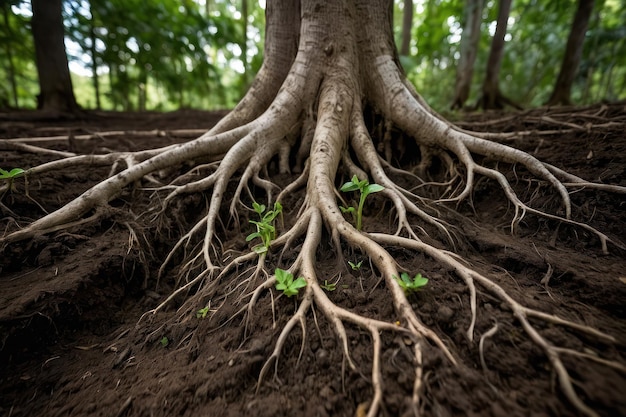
(365,189)
(201,314)
(9,176)
(355,265)
(411,285)
(265,229)
(287,284)
(329,286)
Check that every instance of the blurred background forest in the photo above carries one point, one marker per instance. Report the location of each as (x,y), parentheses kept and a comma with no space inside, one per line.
(129,55)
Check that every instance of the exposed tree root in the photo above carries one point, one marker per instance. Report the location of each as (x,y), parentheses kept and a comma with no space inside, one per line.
(336,142)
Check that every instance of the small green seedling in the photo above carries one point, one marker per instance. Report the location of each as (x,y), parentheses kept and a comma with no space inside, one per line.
(165,341)
(365,188)
(202,312)
(411,285)
(286,283)
(9,176)
(329,286)
(265,229)
(355,266)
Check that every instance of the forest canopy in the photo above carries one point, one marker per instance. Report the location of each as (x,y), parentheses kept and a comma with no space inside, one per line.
(136,55)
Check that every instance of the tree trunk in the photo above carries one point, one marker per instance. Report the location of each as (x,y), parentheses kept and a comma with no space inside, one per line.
(56,93)
(573,54)
(492,97)
(94,62)
(244,45)
(9,52)
(407,25)
(469,49)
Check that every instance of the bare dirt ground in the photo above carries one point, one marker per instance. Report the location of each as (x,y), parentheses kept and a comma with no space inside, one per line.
(70,302)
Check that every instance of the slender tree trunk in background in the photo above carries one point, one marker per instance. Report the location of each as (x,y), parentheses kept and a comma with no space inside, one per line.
(244,46)
(573,54)
(7,47)
(56,93)
(94,63)
(142,91)
(492,97)
(407,25)
(469,49)
(592,58)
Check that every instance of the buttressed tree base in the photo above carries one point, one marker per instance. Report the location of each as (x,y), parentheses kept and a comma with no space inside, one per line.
(331,102)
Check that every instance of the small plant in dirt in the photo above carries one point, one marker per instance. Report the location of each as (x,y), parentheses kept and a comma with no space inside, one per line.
(265,229)
(411,285)
(11,175)
(355,266)
(286,283)
(365,189)
(329,286)
(164,341)
(201,314)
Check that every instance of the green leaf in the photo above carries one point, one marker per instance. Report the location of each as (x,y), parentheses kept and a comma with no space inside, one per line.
(260,249)
(374,188)
(164,341)
(252,236)
(420,281)
(290,291)
(300,282)
(15,172)
(259,208)
(281,275)
(349,186)
(346,209)
(355,266)
(202,312)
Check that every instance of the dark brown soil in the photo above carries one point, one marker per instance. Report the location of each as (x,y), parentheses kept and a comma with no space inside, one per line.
(72,343)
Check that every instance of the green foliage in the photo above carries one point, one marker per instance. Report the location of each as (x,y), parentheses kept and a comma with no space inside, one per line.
(286,283)
(365,189)
(202,312)
(265,229)
(179,53)
(164,341)
(329,286)
(355,266)
(411,285)
(9,176)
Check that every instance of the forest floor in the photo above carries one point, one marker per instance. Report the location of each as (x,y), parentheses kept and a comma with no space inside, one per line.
(70,343)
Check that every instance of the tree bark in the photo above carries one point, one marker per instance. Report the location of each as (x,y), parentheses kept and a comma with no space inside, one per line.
(11,65)
(56,93)
(573,54)
(492,97)
(469,49)
(93,53)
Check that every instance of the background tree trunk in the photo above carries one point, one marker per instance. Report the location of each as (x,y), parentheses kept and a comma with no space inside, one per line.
(469,48)
(573,54)
(9,53)
(93,53)
(492,97)
(55,84)
(407,25)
